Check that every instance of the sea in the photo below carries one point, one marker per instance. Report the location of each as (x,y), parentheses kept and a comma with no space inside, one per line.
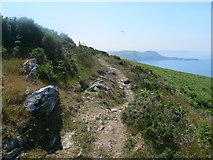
(202,66)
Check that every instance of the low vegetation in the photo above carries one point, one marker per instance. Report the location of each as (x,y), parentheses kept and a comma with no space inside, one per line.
(163,112)
(197,88)
(60,62)
(170,116)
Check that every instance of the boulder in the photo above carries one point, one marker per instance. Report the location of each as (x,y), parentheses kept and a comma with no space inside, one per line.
(13,147)
(43,101)
(9,144)
(31,68)
(99,85)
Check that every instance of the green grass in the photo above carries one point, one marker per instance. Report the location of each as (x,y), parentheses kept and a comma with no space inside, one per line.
(15,115)
(197,88)
(170,110)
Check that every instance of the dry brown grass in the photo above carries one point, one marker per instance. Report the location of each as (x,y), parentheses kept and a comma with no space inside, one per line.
(13,96)
(12,66)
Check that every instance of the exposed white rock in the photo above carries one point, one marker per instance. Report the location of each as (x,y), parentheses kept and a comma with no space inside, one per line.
(114,110)
(67,140)
(44,100)
(31,68)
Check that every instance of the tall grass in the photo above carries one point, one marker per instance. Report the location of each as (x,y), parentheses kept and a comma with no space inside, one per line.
(12,66)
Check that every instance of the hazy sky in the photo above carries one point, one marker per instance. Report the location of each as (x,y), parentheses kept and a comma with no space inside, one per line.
(124,26)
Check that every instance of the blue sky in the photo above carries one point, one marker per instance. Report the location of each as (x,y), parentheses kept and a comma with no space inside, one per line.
(145,26)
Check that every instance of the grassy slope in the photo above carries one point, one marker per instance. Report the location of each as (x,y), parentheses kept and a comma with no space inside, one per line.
(197,92)
(71,93)
(14,114)
(197,88)
(163,92)
(158,88)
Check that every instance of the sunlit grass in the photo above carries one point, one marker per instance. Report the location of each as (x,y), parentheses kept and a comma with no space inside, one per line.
(12,66)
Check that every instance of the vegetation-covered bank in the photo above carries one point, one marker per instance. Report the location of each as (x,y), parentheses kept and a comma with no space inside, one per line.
(171,122)
(60,62)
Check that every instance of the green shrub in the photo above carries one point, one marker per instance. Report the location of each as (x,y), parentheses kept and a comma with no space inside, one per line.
(39,54)
(157,120)
(66,68)
(46,72)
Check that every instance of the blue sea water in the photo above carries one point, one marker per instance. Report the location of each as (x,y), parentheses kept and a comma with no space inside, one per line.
(200,67)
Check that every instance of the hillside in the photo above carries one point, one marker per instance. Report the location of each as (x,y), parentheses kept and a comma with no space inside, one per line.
(102,106)
(144,56)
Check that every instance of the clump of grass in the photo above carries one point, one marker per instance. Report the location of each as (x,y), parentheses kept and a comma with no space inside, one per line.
(112,98)
(13,97)
(12,66)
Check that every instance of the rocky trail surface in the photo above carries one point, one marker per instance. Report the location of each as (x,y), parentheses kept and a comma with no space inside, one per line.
(110,133)
(101,115)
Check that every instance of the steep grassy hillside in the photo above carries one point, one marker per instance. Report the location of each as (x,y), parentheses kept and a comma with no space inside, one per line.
(197,88)
(163,120)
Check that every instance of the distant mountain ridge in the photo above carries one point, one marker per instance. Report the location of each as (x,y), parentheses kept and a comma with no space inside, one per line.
(144,56)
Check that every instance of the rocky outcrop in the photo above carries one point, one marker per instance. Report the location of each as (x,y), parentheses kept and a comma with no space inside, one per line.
(99,85)
(31,68)
(43,100)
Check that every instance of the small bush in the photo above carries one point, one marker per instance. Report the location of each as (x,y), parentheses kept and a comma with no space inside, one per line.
(46,72)
(39,54)
(65,68)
